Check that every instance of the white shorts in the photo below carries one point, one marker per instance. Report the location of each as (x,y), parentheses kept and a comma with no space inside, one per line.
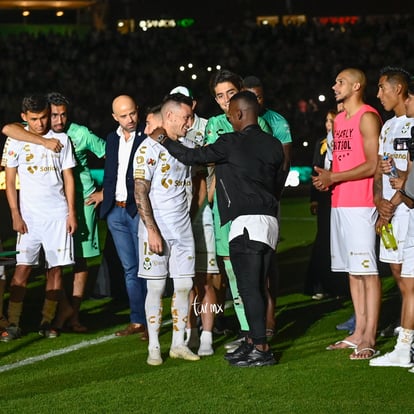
(177,260)
(408,252)
(353,240)
(205,244)
(52,236)
(399,226)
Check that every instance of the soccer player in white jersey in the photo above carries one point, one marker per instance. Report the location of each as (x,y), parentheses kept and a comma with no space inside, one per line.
(401,356)
(166,243)
(392,92)
(203,298)
(45,216)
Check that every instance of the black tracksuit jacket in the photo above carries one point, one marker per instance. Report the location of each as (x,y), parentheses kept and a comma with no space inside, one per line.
(248,168)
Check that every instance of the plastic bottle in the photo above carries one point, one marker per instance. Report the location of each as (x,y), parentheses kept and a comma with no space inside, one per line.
(388,238)
(393,173)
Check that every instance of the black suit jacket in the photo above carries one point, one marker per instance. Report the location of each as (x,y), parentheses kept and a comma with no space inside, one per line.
(111,170)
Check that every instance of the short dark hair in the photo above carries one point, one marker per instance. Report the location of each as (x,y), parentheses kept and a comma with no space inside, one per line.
(252,82)
(225,75)
(248,97)
(178,98)
(56,98)
(34,103)
(396,75)
(153,109)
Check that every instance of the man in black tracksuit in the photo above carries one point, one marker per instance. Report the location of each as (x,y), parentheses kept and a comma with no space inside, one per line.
(249,181)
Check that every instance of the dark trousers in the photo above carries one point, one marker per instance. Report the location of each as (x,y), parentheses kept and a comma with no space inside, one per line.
(251,261)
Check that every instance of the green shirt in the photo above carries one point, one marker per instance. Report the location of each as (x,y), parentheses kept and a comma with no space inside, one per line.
(279,125)
(84,141)
(219,125)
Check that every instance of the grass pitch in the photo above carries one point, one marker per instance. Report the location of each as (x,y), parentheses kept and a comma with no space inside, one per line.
(100,373)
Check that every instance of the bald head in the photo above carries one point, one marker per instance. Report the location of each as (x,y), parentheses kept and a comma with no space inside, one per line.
(356,76)
(125,112)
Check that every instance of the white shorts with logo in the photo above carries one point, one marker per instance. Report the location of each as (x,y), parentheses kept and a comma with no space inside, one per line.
(177,261)
(408,252)
(399,226)
(205,244)
(353,240)
(52,236)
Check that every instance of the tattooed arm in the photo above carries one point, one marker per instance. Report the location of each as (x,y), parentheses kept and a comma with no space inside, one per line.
(142,189)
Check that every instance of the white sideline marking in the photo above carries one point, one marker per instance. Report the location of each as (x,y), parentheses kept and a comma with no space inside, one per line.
(71,348)
(62,351)
(55,353)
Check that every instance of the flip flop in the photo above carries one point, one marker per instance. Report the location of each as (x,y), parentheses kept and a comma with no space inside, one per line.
(355,355)
(336,345)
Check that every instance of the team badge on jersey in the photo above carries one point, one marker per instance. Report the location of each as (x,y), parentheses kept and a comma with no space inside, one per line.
(199,138)
(151,161)
(147,263)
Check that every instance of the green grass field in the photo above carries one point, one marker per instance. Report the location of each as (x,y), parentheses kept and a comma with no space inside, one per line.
(100,373)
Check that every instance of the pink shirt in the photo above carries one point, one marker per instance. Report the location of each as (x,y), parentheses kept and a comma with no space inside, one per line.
(348,152)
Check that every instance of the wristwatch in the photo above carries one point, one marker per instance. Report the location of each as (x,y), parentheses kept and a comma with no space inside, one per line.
(161,138)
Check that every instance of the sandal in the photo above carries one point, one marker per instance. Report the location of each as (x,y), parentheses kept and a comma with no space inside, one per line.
(344,344)
(363,354)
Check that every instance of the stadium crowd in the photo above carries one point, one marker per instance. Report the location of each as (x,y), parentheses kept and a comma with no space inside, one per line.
(295,63)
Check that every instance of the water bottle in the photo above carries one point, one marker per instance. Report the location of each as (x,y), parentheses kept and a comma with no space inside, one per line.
(393,173)
(387,237)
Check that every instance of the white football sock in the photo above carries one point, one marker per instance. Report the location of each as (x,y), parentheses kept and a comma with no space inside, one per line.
(206,337)
(179,309)
(153,310)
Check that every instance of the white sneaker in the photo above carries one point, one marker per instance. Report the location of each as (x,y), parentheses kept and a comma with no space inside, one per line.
(411,370)
(205,349)
(397,330)
(391,359)
(154,356)
(183,352)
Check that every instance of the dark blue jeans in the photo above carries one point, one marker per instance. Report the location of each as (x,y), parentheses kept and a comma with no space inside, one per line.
(124,230)
(251,260)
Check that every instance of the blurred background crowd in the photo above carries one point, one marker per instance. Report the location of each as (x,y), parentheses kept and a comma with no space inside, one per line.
(297,64)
